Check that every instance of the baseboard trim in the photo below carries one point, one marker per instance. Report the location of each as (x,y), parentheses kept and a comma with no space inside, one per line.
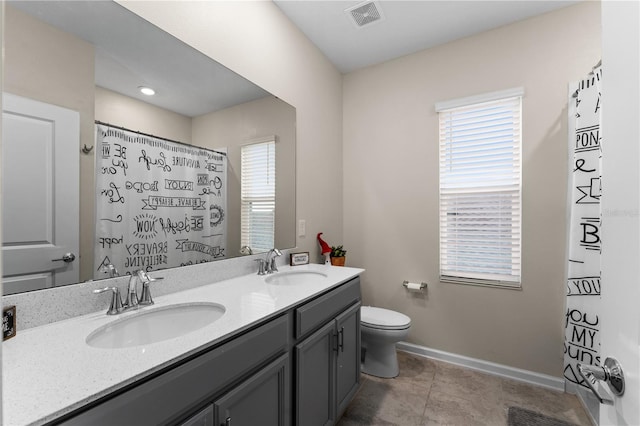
(531,377)
(590,404)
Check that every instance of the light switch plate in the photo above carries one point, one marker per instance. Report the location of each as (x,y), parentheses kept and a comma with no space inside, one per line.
(302,228)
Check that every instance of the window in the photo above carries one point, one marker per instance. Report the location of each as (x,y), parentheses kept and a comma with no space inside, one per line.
(258,195)
(480,189)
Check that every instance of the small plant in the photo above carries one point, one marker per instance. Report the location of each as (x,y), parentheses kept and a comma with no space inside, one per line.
(338,251)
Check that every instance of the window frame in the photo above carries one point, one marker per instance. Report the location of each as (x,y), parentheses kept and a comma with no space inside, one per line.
(247,238)
(447,271)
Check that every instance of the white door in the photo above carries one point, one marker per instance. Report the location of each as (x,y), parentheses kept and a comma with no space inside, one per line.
(40,194)
(620,332)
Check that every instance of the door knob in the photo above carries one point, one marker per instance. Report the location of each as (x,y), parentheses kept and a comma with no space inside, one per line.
(67,258)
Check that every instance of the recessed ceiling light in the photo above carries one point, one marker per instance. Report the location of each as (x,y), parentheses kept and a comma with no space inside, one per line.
(147,90)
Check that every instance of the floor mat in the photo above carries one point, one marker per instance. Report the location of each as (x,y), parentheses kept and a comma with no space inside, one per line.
(520,417)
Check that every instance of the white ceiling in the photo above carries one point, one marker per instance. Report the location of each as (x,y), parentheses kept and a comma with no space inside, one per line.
(131,52)
(406,26)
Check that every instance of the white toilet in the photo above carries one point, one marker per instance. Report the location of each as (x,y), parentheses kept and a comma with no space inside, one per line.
(380,329)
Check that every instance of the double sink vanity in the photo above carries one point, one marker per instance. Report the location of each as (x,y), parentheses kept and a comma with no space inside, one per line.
(278,349)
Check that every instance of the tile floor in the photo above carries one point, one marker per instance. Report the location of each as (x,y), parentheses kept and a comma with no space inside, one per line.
(429,392)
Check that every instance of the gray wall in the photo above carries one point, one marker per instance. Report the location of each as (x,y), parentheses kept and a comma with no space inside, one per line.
(256,40)
(245,123)
(391,184)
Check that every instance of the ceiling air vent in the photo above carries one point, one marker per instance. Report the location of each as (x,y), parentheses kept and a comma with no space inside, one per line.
(365,13)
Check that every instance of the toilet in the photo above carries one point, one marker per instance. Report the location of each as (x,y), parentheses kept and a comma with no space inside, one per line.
(380,329)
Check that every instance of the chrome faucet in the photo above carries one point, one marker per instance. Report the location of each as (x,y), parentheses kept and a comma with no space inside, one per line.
(116,301)
(132,301)
(145,297)
(270,260)
(609,373)
(110,270)
(261,266)
(132,292)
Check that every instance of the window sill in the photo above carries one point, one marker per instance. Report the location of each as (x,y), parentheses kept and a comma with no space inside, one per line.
(508,285)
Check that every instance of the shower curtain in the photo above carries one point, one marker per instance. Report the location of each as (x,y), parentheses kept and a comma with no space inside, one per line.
(159,203)
(582,322)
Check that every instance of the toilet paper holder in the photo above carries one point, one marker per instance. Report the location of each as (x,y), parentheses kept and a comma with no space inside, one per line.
(406,285)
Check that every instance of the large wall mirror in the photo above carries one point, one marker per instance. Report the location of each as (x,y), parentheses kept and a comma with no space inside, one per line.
(91,57)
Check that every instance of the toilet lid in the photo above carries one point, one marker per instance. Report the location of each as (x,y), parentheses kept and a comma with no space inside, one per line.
(383,318)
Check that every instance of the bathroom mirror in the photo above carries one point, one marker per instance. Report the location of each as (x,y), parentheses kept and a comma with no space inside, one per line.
(91,57)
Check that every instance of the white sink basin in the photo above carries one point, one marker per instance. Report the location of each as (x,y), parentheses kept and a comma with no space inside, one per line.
(155,325)
(295,277)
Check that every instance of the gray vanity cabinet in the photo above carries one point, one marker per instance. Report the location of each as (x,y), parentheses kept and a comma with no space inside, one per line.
(327,362)
(173,396)
(262,399)
(203,418)
(312,349)
(315,378)
(347,357)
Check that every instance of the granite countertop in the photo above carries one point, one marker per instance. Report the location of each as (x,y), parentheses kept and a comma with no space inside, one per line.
(50,370)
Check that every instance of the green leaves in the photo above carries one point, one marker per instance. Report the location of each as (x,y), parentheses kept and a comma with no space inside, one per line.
(338,251)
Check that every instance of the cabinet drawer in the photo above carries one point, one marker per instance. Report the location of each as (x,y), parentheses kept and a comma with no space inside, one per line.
(173,394)
(315,313)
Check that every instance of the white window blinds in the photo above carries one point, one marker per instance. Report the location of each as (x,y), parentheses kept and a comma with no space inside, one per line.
(258,195)
(480,191)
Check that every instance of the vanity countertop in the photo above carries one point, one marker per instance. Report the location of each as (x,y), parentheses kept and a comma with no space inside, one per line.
(50,370)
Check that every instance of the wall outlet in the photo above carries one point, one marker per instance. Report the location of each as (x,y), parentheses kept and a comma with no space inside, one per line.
(302,228)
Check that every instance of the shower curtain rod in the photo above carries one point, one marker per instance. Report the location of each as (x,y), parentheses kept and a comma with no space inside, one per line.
(599,64)
(157,137)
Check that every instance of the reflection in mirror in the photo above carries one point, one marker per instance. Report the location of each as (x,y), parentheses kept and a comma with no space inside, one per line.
(83,61)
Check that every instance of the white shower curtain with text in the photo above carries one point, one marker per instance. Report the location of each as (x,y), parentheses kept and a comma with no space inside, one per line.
(582,321)
(159,203)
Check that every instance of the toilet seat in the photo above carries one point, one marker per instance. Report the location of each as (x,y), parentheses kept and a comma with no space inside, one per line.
(383,319)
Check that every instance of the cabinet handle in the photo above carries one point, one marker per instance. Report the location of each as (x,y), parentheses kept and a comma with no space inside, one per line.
(341,344)
(227,422)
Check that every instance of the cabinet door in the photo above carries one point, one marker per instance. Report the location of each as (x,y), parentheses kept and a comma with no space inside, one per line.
(262,399)
(315,372)
(348,356)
